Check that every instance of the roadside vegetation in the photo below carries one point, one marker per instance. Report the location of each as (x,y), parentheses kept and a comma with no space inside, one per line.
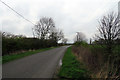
(97,60)
(45,36)
(102,56)
(72,68)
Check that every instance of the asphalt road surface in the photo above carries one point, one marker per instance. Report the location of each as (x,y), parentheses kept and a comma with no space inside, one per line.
(40,65)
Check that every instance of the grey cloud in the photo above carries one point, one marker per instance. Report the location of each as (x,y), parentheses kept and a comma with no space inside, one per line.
(69,15)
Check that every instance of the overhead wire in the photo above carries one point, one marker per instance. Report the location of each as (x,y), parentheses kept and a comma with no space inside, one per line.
(17,12)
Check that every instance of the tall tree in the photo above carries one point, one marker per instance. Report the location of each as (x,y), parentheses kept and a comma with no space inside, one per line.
(42,28)
(109,29)
(46,31)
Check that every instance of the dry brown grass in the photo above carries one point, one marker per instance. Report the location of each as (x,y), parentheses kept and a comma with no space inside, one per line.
(96,64)
(111,69)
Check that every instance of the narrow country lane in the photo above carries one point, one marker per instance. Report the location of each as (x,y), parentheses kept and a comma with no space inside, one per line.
(40,65)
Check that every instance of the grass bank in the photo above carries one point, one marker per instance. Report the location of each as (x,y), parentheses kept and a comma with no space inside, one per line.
(12,57)
(71,67)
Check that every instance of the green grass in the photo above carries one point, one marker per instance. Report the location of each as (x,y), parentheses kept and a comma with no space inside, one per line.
(12,57)
(71,67)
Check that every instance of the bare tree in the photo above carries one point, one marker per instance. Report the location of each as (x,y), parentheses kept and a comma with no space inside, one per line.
(56,34)
(43,27)
(47,32)
(80,37)
(109,29)
(64,40)
(60,34)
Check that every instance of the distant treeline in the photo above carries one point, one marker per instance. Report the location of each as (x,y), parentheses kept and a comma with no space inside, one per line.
(13,43)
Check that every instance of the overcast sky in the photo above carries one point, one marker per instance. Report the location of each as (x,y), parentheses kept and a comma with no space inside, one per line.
(69,15)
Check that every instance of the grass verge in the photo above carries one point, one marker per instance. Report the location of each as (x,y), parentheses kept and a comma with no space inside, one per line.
(12,57)
(71,67)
